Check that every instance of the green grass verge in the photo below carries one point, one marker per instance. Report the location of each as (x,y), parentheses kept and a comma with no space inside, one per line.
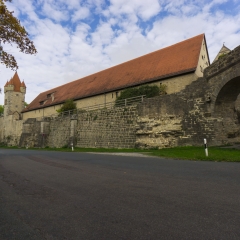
(188,153)
(198,153)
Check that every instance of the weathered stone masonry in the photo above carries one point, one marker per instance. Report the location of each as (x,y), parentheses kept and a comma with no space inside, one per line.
(110,128)
(207,108)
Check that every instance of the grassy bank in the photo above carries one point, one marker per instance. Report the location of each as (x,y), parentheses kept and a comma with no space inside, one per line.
(198,153)
(188,153)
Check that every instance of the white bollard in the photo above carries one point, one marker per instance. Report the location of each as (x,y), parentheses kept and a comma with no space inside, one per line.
(72,147)
(205,146)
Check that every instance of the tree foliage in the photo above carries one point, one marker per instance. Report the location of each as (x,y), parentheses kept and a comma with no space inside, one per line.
(1,109)
(68,105)
(12,32)
(147,90)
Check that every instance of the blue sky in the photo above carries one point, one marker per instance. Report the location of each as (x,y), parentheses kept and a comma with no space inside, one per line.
(76,38)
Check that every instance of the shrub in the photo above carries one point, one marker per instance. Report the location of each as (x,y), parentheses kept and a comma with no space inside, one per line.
(147,90)
(68,105)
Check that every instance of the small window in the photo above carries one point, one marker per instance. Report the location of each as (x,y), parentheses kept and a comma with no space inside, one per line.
(112,95)
(201,69)
(116,94)
(5,102)
(49,95)
(202,57)
(17,95)
(16,106)
(42,102)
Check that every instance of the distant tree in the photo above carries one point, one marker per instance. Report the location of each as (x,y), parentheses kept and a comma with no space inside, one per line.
(68,105)
(1,110)
(12,32)
(25,104)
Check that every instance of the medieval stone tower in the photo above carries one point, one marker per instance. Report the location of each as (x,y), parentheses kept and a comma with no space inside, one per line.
(14,96)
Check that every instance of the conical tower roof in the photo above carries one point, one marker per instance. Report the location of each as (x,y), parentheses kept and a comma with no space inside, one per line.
(6,84)
(15,81)
(23,84)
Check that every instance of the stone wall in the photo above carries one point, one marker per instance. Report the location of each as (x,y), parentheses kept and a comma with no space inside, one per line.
(179,119)
(1,129)
(10,130)
(59,132)
(207,108)
(184,119)
(108,128)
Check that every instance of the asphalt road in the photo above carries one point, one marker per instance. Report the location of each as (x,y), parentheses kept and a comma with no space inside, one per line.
(53,195)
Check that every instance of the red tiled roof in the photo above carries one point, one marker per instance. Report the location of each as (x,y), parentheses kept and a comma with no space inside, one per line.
(23,84)
(170,61)
(6,84)
(15,81)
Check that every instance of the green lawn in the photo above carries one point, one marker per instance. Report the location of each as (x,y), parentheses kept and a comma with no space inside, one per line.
(188,153)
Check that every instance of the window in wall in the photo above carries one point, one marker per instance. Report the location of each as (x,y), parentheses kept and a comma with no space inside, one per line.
(116,94)
(17,95)
(201,69)
(41,103)
(112,95)
(5,102)
(16,106)
(49,95)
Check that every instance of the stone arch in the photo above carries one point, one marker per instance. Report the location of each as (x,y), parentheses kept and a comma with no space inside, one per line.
(226,91)
(225,103)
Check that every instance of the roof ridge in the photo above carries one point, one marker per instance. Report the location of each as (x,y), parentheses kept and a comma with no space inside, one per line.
(186,40)
(179,58)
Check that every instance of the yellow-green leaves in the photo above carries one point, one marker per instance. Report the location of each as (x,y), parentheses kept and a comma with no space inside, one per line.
(11,32)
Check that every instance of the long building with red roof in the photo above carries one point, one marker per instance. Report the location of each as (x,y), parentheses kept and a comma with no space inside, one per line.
(175,66)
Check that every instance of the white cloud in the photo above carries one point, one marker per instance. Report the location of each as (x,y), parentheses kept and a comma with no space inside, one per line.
(53,11)
(81,13)
(141,8)
(67,53)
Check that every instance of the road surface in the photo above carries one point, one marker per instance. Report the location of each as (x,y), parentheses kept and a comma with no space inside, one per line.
(55,195)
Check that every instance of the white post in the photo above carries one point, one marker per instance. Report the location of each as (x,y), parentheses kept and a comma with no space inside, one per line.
(72,147)
(205,146)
